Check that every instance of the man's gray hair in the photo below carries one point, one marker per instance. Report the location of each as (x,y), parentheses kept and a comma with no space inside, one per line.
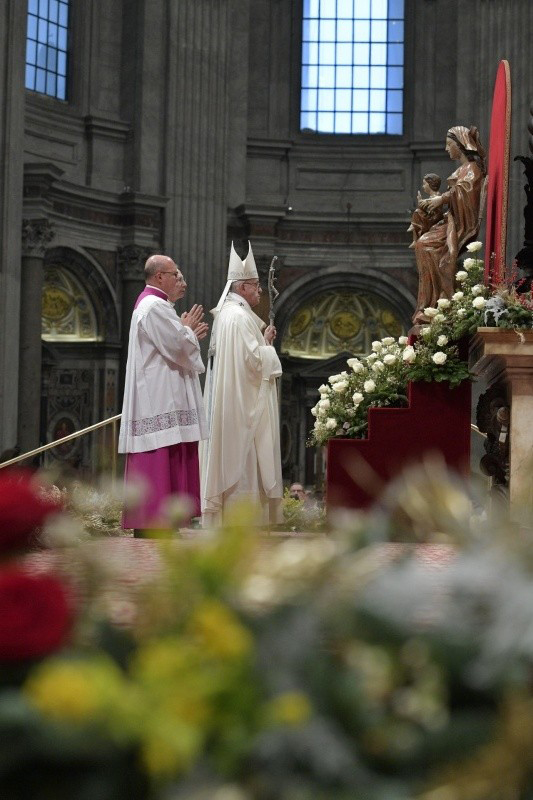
(235,284)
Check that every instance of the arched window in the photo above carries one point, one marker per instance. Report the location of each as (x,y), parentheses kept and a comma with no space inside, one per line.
(68,314)
(47,47)
(352,66)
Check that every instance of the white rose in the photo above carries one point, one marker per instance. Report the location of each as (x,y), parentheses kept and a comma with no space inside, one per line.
(344,374)
(389,359)
(323,389)
(479,302)
(439,357)
(430,311)
(458,296)
(358,367)
(461,312)
(357,398)
(377,347)
(372,357)
(377,366)
(478,289)
(443,302)
(331,424)
(442,340)
(409,354)
(403,340)
(388,340)
(318,425)
(425,330)
(461,276)
(439,318)
(473,247)
(334,378)
(340,386)
(468,263)
(369,386)
(324,403)
(314,411)
(352,362)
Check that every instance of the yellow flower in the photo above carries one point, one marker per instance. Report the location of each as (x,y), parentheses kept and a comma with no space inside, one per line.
(218,631)
(289,708)
(74,691)
(168,747)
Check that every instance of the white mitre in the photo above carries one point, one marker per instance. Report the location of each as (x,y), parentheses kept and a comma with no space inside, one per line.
(238,271)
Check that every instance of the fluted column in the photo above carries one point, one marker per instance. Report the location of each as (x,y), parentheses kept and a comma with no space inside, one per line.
(197,142)
(36,235)
(131,260)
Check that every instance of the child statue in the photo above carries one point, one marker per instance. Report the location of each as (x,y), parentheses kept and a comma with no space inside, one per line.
(422,219)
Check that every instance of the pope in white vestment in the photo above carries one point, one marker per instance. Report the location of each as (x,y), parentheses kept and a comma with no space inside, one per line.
(242,457)
(162,416)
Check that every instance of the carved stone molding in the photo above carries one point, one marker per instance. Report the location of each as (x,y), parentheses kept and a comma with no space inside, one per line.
(36,236)
(131,260)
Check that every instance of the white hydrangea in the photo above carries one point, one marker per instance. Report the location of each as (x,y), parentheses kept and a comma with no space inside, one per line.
(389,359)
(430,312)
(458,296)
(388,340)
(461,276)
(442,340)
(468,263)
(377,347)
(403,340)
(369,385)
(357,398)
(443,302)
(478,289)
(331,423)
(340,386)
(409,354)
(377,366)
(473,247)
(479,302)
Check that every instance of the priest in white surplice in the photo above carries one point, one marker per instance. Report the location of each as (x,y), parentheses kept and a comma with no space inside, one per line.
(163,415)
(241,458)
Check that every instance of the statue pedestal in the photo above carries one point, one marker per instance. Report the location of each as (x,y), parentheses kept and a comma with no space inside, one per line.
(504,355)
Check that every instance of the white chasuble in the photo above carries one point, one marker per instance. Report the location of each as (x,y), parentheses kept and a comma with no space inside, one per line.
(242,454)
(162,395)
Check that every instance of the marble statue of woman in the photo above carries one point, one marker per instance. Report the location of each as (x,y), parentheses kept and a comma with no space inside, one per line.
(437,250)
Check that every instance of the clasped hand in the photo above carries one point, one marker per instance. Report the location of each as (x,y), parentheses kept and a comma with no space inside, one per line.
(193,320)
(270,334)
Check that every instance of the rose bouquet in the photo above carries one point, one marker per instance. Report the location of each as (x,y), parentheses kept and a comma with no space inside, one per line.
(381,377)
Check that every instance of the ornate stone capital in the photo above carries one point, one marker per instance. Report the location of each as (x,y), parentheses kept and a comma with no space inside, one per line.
(36,235)
(131,260)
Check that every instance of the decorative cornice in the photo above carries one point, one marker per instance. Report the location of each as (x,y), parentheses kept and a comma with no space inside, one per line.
(36,235)
(131,260)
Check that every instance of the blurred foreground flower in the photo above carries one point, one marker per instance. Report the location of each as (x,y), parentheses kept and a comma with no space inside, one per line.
(24,506)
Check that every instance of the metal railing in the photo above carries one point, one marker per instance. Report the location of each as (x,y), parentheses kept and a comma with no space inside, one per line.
(76,435)
(113,422)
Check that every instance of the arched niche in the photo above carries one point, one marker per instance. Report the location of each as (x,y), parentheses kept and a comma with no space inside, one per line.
(92,283)
(68,313)
(338,311)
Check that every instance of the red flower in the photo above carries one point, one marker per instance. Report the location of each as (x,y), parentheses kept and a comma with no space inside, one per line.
(35,616)
(23,508)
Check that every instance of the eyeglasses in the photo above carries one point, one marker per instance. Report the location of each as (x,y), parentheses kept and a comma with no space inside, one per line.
(176,274)
(256,284)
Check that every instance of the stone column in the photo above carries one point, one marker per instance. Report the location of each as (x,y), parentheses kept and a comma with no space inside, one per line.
(36,235)
(131,260)
(13,20)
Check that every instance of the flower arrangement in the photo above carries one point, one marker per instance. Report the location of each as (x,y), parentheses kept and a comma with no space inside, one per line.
(380,378)
(322,668)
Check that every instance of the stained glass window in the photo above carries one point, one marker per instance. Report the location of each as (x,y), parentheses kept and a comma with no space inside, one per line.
(47,47)
(352,66)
